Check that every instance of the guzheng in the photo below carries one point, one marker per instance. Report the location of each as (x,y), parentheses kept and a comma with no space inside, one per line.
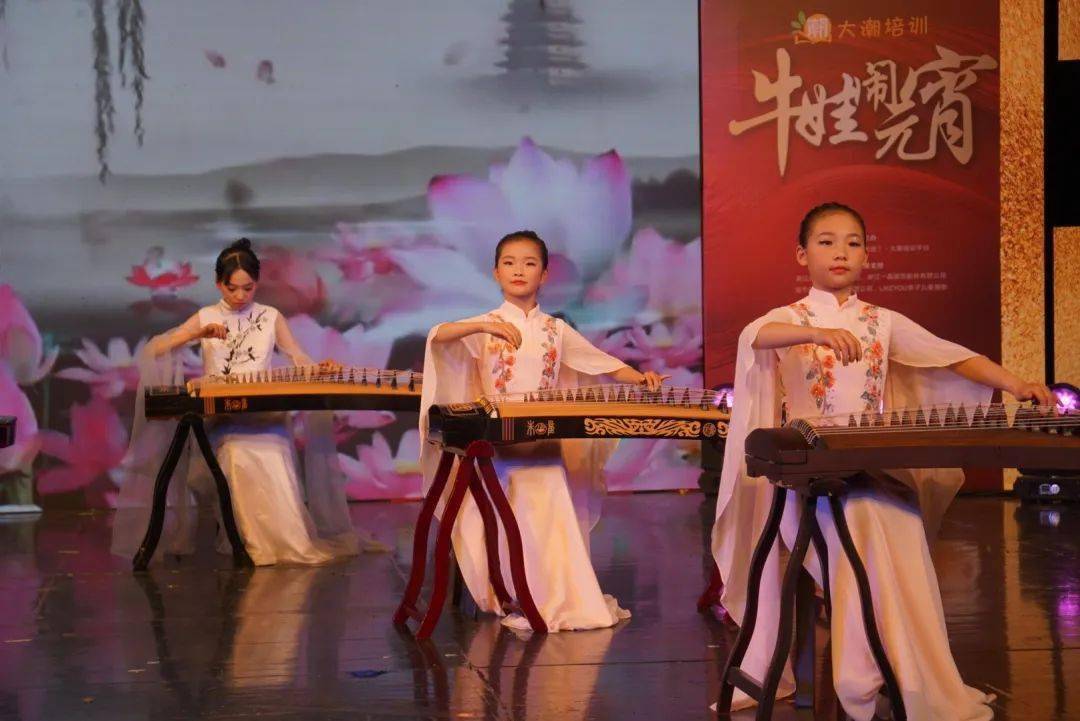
(469,432)
(7,431)
(942,436)
(297,388)
(817,458)
(608,411)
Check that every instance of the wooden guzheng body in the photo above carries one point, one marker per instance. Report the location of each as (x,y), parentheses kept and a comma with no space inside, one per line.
(616,411)
(470,432)
(297,388)
(933,437)
(7,431)
(304,388)
(820,457)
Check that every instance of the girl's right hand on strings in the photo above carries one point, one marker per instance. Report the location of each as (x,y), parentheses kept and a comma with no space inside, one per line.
(507,331)
(213,330)
(842,342)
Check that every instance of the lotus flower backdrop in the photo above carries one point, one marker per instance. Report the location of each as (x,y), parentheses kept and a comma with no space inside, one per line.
(375,204)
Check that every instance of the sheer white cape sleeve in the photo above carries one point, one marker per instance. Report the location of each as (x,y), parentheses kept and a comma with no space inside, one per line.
(918,375)
(324,481)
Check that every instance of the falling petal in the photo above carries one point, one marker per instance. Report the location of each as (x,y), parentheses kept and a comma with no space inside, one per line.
(265,71)
(216,59)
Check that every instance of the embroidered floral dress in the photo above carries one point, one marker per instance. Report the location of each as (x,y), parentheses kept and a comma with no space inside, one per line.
(545,341)
(554,489)
(902,365)
(825,386)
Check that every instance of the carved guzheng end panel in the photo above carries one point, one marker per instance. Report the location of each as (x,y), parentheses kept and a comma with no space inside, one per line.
(613,411)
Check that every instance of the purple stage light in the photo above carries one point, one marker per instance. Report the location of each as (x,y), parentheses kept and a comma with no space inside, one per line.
(725,395)
(1068,605)
(1068,396)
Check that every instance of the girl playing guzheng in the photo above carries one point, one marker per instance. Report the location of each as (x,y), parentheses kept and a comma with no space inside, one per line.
(834,353)
(255,451)
(554,486)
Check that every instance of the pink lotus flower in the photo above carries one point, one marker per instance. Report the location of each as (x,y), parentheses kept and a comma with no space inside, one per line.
(13,402)
(387,270)
(657,277)
(108,375)
(651,464)
(661,346)
(289,282)
(21,348)
(350,348)
(377,473)
(361,253)
(345,426)
(96,446)
(583,215)
(161,274)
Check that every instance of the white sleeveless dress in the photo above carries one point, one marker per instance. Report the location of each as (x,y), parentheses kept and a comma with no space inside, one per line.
(257,454)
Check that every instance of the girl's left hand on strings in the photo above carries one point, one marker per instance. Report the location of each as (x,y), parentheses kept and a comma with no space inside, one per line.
(652,380)
(1027,391)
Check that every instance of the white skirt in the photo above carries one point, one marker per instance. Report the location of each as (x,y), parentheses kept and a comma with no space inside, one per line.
(890,537)
(557,564)
(259,462)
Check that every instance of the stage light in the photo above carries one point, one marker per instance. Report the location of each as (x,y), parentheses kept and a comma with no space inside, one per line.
(1068,396)
(712,454)
(725,395)
(1053,485)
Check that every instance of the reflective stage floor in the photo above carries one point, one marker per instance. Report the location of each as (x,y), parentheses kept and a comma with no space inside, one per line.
(82,637)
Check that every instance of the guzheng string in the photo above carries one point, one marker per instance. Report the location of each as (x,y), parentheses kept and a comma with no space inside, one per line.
(619,393)
(946,417)
(314,374)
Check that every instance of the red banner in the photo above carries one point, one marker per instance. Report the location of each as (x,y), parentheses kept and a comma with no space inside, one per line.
(890,108)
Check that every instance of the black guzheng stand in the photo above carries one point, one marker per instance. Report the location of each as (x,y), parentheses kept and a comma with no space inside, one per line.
(189,423)
(831,460)
(469,433)
(175,402)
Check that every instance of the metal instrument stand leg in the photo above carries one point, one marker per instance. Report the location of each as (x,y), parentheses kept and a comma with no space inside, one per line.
(240,554)
(441,560)
(732,674)
(407,607)
(483,452)
(866,601)
(784,633)
(161,496)
(491,539)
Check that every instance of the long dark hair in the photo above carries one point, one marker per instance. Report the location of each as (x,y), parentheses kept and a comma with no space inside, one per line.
(238,256)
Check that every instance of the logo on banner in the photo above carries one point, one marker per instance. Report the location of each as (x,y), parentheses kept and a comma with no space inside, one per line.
(816,28)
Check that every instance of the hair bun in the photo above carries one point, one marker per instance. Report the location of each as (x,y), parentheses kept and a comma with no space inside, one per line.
(238,255)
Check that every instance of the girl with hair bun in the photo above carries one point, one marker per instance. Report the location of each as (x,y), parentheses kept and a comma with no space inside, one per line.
(256,452)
